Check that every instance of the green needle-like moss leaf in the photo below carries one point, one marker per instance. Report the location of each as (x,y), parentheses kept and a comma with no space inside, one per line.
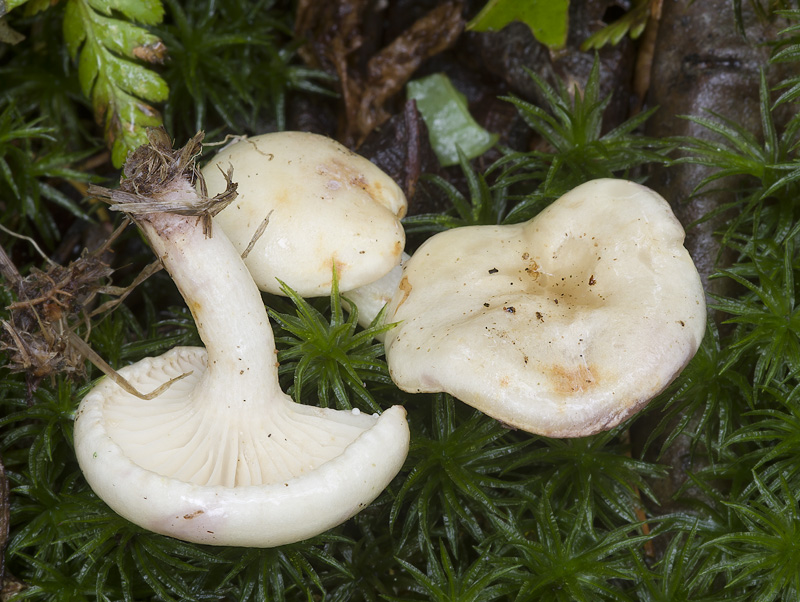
(486,205)
(446,581)
(763,557)
(631,23)
(31,162)
(331,353)
(562,558)
(455,466)
(579,148)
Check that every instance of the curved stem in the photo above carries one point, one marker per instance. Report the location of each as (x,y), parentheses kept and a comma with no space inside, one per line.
(225,302)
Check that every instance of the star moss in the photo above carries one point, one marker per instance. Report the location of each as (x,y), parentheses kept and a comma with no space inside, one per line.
(480,512)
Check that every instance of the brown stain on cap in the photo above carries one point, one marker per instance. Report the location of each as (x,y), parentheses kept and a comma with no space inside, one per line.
(334,263)
(572,379)
(404,286)
(352,177)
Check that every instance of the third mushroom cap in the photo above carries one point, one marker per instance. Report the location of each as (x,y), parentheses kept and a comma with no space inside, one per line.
(321,206)
(564,325)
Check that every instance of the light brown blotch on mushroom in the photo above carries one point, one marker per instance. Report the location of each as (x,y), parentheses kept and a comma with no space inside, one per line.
(570,379)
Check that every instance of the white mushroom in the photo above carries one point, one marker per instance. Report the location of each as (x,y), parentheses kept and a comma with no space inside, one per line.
(371,298)
(325,206)
(222,456)
(562,326)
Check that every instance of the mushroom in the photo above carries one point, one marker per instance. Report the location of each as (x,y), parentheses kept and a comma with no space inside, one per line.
(222,456)
(371,298)
(322,205)
(562,326)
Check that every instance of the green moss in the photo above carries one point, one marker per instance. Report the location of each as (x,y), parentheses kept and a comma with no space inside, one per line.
(479,512)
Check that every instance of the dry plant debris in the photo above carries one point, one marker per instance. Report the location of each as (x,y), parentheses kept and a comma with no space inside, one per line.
(50,305)
(40,334)
(336,34)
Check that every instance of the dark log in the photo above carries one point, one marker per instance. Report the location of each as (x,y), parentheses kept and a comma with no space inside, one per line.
(701,63)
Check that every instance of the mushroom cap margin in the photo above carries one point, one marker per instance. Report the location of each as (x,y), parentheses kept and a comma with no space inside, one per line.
(263,516)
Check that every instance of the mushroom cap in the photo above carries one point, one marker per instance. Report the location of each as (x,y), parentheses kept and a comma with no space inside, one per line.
(214,476)
(562,326)
(371,298)
(326,205)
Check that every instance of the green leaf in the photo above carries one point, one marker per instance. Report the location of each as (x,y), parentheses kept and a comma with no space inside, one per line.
(149,12)
(122,38)
(450,125)
(548,19)
(7,6)
(119,87)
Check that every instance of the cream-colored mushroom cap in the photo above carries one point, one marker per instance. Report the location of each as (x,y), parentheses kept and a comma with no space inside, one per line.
(202,468)
(564,325)
(326,206)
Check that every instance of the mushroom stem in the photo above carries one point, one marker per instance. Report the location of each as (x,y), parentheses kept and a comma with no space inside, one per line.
(226,306)
(239,378)
(371,298)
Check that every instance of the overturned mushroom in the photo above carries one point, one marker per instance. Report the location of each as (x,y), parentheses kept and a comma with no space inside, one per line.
(561,326)
(307,204)
(223,456)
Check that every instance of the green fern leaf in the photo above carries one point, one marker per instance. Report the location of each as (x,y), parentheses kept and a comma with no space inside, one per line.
(106,49)
(148,12)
